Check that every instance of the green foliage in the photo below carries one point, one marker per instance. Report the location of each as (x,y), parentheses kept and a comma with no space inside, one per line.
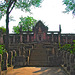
(2,50)
(27,24)
(68,47)
(24,5)
(16,29)
(3,29)
(70,6)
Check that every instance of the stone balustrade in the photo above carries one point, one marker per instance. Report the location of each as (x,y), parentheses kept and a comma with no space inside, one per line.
(11,58)
(68,62)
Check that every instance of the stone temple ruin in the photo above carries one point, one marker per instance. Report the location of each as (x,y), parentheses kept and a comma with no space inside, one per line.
(41,44)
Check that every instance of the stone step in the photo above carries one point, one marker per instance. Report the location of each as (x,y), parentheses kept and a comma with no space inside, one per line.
(39,54)
(39,49)
(44,51)
(38,63)
(33,59)
(35,53)
(39,58)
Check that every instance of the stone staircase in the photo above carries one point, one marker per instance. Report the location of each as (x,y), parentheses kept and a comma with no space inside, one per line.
(38,56)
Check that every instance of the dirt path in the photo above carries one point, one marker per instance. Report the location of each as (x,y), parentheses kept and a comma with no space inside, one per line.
(37,71)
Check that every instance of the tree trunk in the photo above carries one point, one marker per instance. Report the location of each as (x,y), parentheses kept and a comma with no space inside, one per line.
(7,31)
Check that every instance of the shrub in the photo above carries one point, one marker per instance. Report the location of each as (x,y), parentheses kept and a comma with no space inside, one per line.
(2,50)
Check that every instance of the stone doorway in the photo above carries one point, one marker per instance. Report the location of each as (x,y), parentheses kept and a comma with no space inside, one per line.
(39,38)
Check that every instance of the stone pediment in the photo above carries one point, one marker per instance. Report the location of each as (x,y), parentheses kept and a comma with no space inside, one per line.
(40,27)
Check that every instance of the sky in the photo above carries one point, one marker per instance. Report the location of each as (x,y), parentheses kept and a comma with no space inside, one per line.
(50,13)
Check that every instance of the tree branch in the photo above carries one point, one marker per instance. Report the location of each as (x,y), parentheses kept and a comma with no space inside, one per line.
(12,7)
(9,5)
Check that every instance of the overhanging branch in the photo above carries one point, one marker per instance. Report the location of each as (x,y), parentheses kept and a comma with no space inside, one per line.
(12,7)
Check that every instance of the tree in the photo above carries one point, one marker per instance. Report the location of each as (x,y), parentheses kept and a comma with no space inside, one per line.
(7,6)
(27,24)
(70,6)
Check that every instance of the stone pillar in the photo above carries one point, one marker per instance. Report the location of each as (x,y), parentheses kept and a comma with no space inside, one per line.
(0,62)
(52,37)
(53,51)
(67,59)
(21,38)
(72,71)
(37,38)
(14,55)
(34,37)
(44,36)
(58,37)
(23,51)
(29,52)
(61,57)
(27,37)
(66,39)
(1,39)
(10,41)
(10,56)
(14,39)
(19,52)
(5,59)
(64,58)
(28,61)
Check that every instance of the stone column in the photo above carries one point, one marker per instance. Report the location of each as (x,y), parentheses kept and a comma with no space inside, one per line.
(66,39)
(67,59)
(19,52)
(61,57)
(29,52)
(53,51)
(0,62)
(64,58)
(52,37)
(10,56)
(14,39)
(72,71)
(1,39)
(21,38)
(23,51)
(44,36)
(58,37)
(27,37)
(28,60)
(5,59)
(34,37)
(37,38)
(14,55)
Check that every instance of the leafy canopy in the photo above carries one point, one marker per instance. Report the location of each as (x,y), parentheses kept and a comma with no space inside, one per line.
(70,6)
(26,22)
(24,5)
